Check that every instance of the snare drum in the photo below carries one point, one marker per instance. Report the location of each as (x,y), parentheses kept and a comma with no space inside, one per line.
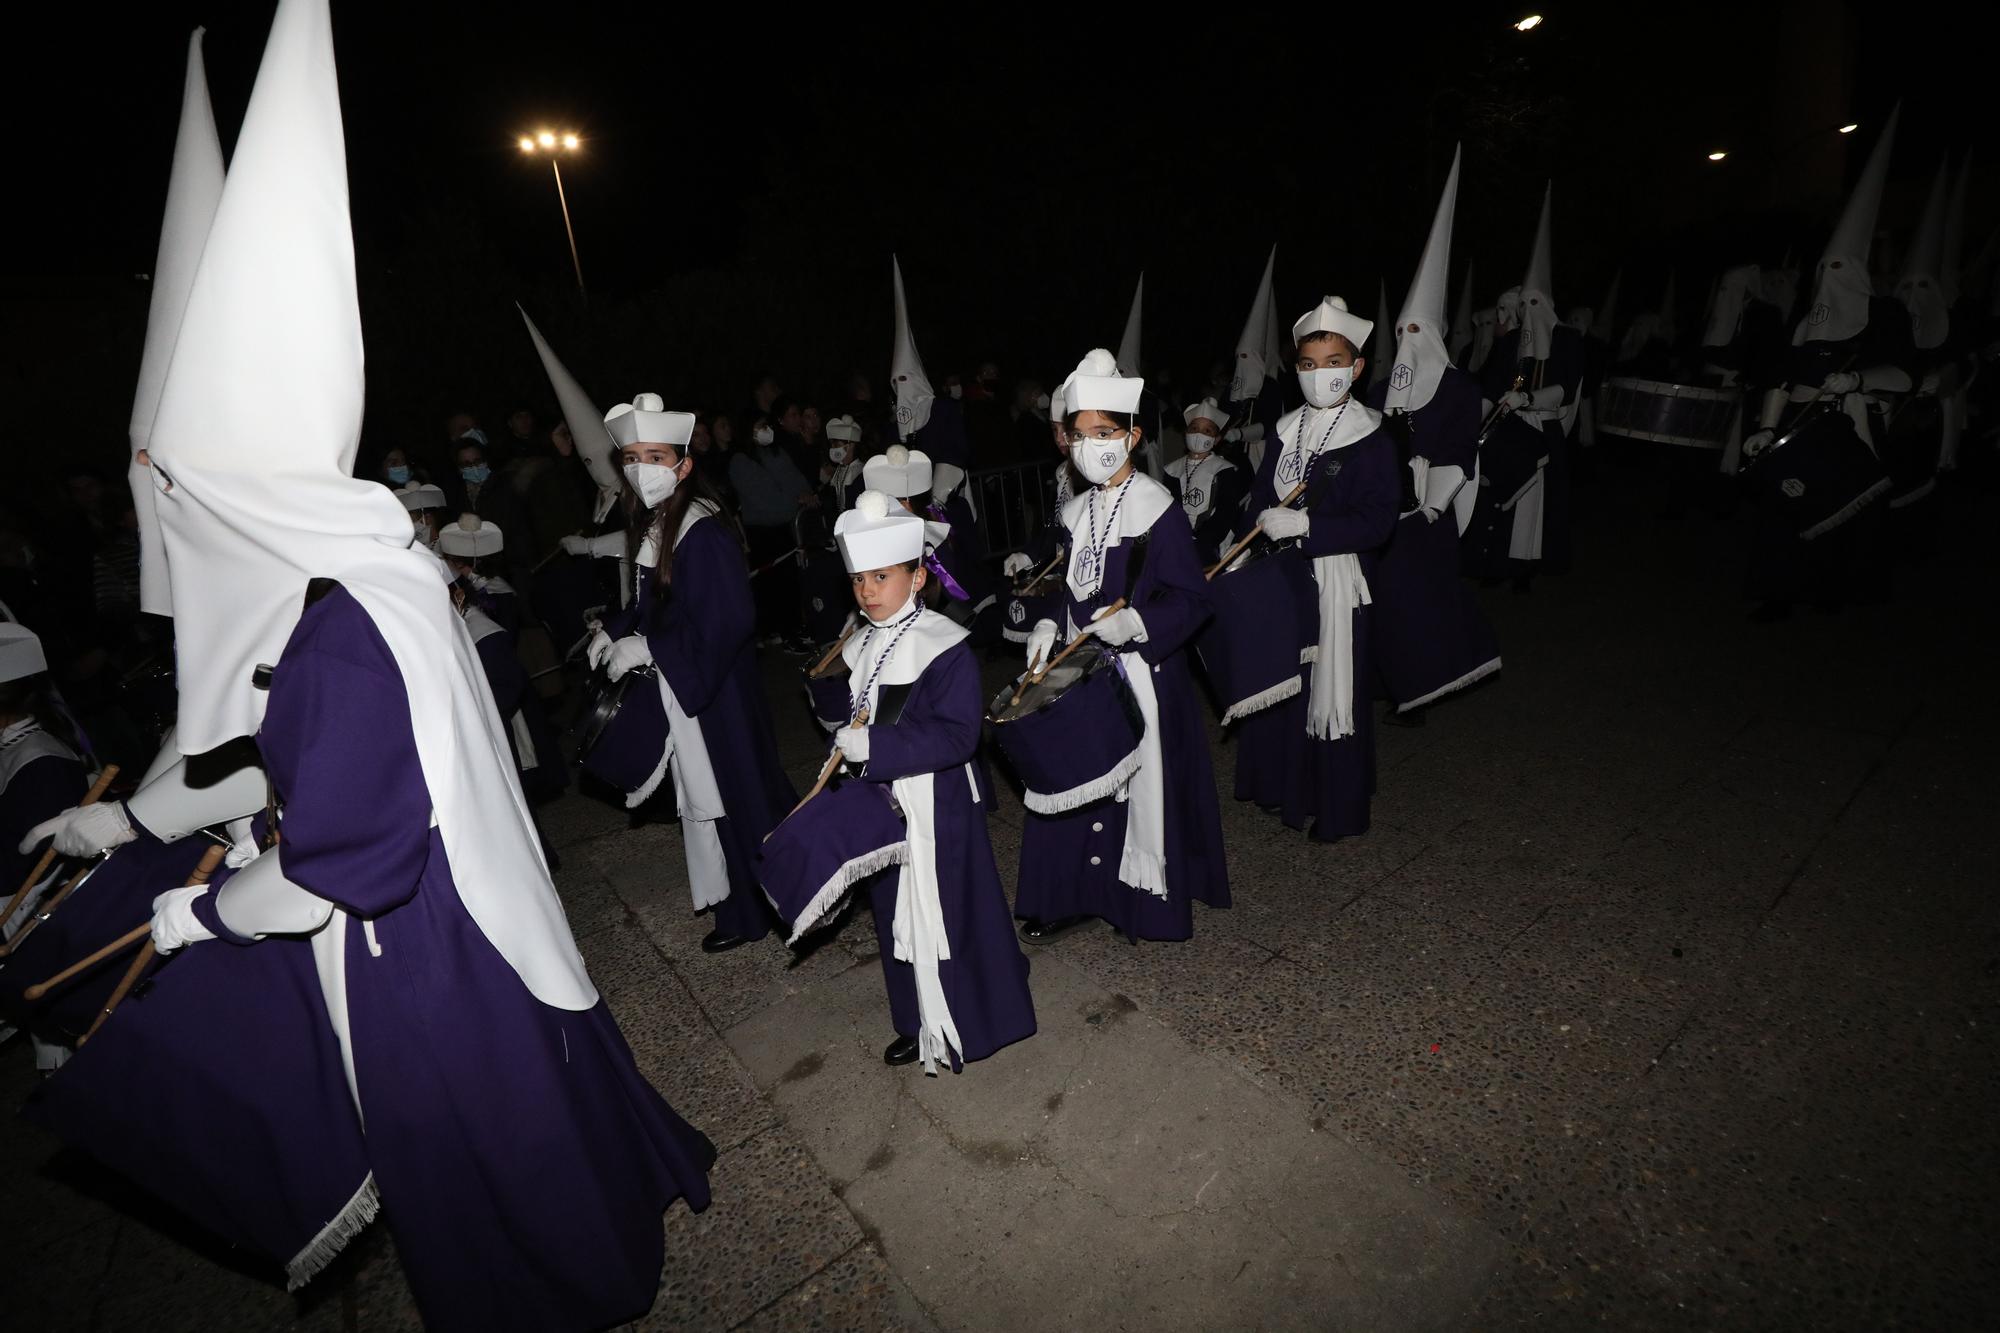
(824,849)
(1252,644)
(1691,415)
(1073,738)
(1021,610)
(622,730)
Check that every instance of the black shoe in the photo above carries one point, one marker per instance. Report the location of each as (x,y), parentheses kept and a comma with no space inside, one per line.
(901,1051)
(1413,718)
(1045,932)
(720,941)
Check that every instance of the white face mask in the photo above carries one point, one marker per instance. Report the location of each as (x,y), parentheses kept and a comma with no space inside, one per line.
(837,453)
(1327,385)
(955,390)
(1197,443)
(764,435)
(654,482)
(1099,460)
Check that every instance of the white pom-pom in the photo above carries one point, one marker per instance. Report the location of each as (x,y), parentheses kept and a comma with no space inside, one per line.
(873,505)
(1337,302)
(1097,362)
(897,456)
(469,522)
(652,402)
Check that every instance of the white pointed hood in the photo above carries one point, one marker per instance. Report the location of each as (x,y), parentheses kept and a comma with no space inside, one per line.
(1256,353)
(1538,302)
(193,191)
(1420,352)
(255,437)
(1841,286)
(1128,346)
(1920,289)
(1461,315)
(914,394)
(1954,232)
(586,423)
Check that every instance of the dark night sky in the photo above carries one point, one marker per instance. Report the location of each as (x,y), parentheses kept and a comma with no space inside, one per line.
(745,181)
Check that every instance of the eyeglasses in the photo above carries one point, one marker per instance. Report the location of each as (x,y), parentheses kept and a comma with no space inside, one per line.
(1095,435)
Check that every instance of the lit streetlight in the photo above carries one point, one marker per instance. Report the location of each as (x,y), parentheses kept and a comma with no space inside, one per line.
(1717,155)
(547,141)
(1849,129)
(1529,24)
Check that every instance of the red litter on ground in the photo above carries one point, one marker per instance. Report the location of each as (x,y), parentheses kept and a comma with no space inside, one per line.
(1434,1048)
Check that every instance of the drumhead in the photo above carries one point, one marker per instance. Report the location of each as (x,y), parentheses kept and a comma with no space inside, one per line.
(1060,681)
(602,699)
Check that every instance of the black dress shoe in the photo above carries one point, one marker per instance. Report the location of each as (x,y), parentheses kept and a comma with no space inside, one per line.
(1044,932)
(720,941)
(901,1051)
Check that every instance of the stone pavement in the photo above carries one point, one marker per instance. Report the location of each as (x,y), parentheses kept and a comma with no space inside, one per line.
(1657,997)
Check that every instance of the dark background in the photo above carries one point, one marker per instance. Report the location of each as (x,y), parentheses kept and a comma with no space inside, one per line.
(746,175)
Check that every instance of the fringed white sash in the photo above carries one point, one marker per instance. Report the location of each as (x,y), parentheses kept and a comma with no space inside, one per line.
(1342,589)
(1143,864)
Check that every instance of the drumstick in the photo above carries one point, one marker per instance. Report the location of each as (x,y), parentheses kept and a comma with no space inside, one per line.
(1074,644)
(853,624)
(1040,574)
(550,556)
(41,913)
(97,789)
(1251,535)
(1499,410)
(826,771)
(210,859)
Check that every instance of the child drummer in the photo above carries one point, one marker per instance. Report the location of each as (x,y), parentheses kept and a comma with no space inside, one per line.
(1139,855)
(958,983)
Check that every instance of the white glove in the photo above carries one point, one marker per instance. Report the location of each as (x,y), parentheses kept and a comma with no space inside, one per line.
(1281,524)
(1118,627)
(1760,441)
(1017,563)
(629,652)
(1515,399)
(1841,381)
(604,544)
(1430,515)
(576,545)
(84,830)
(853,744)
(597,649)
(1041,642)
(174,922)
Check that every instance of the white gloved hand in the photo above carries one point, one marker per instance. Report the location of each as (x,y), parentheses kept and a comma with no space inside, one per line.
(1118,627)
(1041,642)
(1515,399)
(1017,563)
(174,922)
(84,830)
(1758,442)
(853,744)
(598,648)
(1430,515)
(1281,524)
(1841,381)
(576,544)
(629,652)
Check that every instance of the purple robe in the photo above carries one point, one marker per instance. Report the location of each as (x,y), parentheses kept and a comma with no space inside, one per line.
(1326,783)
(703,637)
(1069,861)
(986,978)
(1510,458)
(1430,637)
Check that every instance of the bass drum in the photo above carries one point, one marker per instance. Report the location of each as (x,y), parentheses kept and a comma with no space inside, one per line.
(1693,416)
(621,731)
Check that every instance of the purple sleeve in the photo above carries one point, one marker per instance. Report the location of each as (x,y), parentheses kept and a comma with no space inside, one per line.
(940,724)
(1264,490)
(339,746)
(699,635)
(1172,597)
(1357,511)
(1450,438)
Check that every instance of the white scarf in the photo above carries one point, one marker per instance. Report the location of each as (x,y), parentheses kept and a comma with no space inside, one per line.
(1197,496)
(22,743)
(918,932)
(1143,864)
(1342,586)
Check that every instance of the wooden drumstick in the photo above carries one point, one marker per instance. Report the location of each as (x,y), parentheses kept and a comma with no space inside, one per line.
(543,562)
(209,861)
(826,771)
(97,789)
(1251,535)
(1040,574)
(41,913)
(1074,644)
(819,667)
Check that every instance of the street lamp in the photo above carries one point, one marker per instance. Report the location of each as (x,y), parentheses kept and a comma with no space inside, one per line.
(1529,24)
(548,141)
(1717,155)
(1849,129)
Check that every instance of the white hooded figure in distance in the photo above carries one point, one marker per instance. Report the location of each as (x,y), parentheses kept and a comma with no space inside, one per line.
(464,1068)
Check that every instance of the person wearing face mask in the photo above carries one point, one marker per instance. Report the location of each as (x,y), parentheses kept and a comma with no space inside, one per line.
(1520,519)
(770,493)
(960,587)
(1813,467)
(1140,854)
(824,581)
(1211,487)
(691,623)
(957,980)
(1311,758)
(1428,635)
(426,509)
(469,547)
(398,471)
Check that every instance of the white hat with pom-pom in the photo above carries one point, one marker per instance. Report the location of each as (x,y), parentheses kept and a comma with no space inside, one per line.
(877,533)
(1096,386)
(900,472)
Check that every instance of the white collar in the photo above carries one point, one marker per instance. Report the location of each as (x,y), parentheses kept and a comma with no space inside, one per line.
(1182,465)
(1358,422)
(649,549)
(915,649)
(1145,500)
